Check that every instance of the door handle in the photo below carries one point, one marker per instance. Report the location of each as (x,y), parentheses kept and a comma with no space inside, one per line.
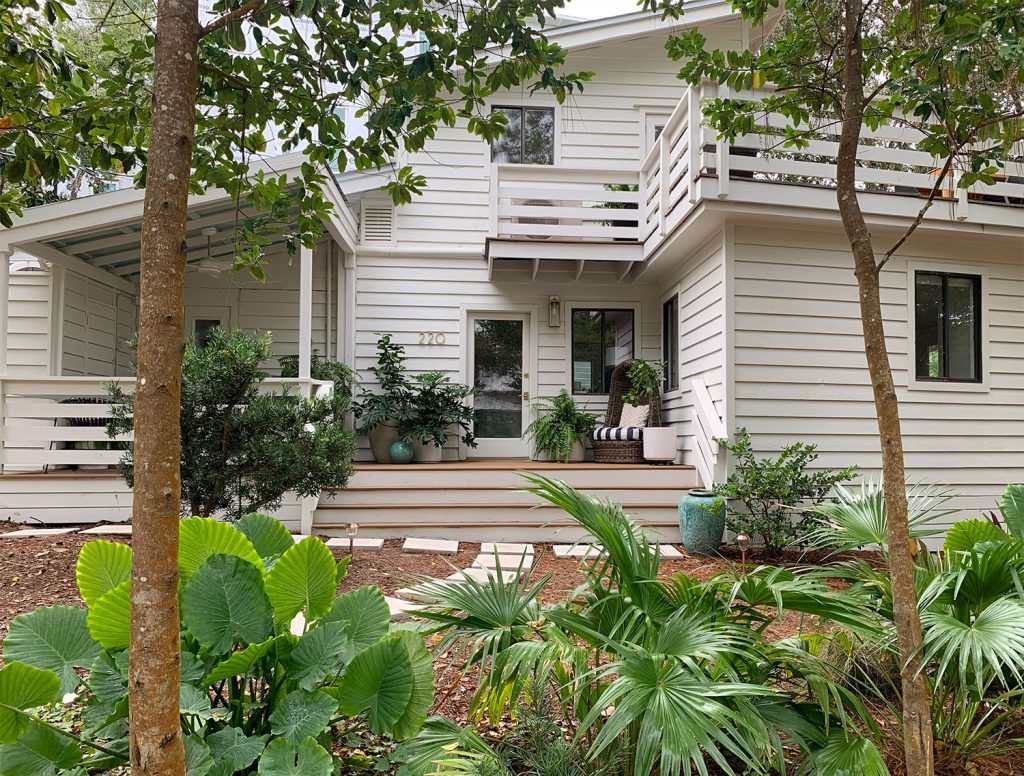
(526,395)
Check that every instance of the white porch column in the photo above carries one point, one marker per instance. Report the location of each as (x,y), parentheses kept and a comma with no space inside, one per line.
(5,295)
(305,310)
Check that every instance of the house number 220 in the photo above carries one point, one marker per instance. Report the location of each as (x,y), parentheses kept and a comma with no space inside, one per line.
(431,337)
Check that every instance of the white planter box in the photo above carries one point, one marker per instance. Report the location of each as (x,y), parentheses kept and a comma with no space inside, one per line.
(660,444)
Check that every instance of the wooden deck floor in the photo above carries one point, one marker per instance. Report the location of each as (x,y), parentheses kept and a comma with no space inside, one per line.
(509,464)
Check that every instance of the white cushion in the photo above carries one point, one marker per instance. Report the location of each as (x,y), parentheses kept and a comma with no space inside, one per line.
(634,417)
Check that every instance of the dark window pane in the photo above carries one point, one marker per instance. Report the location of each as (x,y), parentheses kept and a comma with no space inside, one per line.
(600,340)
(539,137)
(947,327)
(962,355)
(670,342)
(508,148)
(203,327)
(928,326)
(498,378)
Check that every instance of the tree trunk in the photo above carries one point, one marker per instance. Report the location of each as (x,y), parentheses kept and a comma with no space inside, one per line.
(917,724)
(155,659)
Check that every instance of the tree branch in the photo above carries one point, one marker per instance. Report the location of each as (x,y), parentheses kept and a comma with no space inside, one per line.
(920,215)
(239,13)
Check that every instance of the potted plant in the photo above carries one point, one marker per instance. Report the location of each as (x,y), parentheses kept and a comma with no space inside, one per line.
(380,414)
(646,378)
(558,434)
(437,410)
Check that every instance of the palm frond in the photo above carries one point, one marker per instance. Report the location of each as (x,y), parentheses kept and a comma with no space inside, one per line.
(845,754)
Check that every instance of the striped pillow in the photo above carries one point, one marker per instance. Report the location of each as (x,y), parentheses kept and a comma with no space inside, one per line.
(618,433)
(633,416)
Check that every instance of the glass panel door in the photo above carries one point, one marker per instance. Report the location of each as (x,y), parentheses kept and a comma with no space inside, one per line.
(498,358)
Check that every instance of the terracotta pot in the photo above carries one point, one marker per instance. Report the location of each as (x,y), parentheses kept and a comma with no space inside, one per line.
(382,436)
(426,452)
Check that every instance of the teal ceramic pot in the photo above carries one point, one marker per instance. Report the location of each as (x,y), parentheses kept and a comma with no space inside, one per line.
(400,452)
(701,521)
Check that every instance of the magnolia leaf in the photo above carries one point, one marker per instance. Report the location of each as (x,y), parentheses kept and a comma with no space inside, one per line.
(1011,507)
(23,687)
(302,714)
(101,567)
(224,603)
(55,638)
(422,697)
(238,663)
(231,745)
(268,535)
(281,758)
(202,537)
(366,616)
(303,579)
(378,681)
(39,751)
(109,618)
(319,653)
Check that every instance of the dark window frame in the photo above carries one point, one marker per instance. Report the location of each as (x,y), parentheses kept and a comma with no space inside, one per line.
(572,343)
(976,296)
(522,131)
(670,342)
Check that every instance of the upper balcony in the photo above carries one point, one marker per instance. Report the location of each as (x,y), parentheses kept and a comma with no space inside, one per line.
(613,214)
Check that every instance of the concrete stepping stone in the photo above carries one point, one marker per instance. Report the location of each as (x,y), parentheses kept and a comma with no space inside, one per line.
(505,548)
(482,574)
(430,546)
(506,562)
(668,551)
(29,533)
(357,544)
(576,550)
(400,608)
(110,530)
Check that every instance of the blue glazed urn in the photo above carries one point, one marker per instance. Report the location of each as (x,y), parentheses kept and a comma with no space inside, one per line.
(701,521)
(400,452)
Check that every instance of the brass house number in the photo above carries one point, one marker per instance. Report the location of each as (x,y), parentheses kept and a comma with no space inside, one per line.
(432,338)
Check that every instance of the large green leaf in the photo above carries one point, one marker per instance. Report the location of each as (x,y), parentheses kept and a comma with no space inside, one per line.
(237,663)
(106,679)
(301,714)
(224,603)
(845,755)
(39,751)
(55,638)
(366,616)
(102,566)
(319,652)
(109,618)
(379,682)
(964,534)
(422,697)
(303,579)
(281,758)
(23,687)
(268,535)
(230,744)
(1011,507)
(202,537)
(198,760)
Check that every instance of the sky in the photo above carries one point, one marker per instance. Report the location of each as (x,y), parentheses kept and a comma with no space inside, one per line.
(599,9)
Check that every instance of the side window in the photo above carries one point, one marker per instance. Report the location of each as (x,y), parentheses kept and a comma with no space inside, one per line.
(202,327)
(947,327)
(529,139)
(670,342)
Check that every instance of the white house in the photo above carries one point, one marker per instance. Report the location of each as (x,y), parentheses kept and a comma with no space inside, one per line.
(730,263)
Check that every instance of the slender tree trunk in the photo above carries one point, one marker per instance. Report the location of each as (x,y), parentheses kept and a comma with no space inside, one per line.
(154,662)
(917,723)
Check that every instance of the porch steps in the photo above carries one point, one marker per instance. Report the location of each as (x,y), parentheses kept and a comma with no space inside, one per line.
(484,500)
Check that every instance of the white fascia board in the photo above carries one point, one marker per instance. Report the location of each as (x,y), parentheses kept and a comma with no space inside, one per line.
(638,24)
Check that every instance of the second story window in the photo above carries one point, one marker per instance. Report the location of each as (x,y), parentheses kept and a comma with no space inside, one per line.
(529,139)
(947,326)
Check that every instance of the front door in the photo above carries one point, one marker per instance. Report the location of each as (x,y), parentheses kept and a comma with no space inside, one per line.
(498,364)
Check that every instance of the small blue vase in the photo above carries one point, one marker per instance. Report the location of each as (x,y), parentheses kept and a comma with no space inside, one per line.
(400,452)
(701,521)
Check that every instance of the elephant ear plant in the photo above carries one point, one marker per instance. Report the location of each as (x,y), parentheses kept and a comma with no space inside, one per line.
(271,658)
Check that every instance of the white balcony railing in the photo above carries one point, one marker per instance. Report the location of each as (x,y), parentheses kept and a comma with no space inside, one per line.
(60,422)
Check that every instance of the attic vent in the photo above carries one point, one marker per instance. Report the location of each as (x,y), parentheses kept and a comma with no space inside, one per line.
(378,223)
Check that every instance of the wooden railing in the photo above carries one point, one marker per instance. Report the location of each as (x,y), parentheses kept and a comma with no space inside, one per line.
(61,422)
(707,427)
(545,202)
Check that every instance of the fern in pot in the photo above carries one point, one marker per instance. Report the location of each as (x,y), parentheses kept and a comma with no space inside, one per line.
(559,432)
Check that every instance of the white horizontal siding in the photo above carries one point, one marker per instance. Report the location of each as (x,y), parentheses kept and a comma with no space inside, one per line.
(28,329)
(97,321)
(800,371)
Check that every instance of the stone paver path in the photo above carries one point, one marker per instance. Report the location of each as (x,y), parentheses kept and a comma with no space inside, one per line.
(110,530)
(357,543)
(431,546)
(28,533)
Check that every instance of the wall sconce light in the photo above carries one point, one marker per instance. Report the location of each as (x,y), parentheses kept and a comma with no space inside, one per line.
(554,311)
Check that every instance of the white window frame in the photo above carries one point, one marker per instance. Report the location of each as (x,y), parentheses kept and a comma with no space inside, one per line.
(571,307)
(533,102)
(913,384)
(674,294)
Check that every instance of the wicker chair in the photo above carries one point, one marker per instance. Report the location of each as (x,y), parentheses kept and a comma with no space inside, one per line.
(624,450)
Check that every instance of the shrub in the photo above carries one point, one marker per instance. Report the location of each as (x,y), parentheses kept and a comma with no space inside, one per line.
(242,450)
(392,401)
(344,379)
(436,405)
(271,658)
(769,490)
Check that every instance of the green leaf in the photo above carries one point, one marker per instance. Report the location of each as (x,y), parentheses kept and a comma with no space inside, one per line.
(39,751)
(232,745)
(202,537)
(23,687)
(109,618)
(101,567)
(1011,507)
(366,616)
(224,603)
(422,697)
(281,758)
(54,638)
(238,663)
(963,535)
(198,760)
(379,682)
(303,579)
(302,714)
(319,652)
(106,680)
(195,702)
(268,535)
